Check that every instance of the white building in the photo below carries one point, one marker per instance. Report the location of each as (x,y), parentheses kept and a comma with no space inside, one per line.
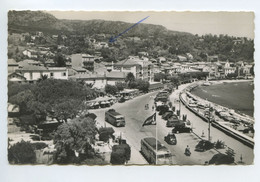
(12,65)
(141,69)
(101,80)
(228,69)
(33,73)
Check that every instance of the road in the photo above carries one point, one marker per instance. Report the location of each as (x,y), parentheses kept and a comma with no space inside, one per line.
(200,126)
(135,114)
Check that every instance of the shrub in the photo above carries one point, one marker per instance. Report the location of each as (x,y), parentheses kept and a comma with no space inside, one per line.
(204,145)
(111,89)
(105,133)
(21,153)
(219,144)
(120,154)
(96,160)
(39,145)
(221,159)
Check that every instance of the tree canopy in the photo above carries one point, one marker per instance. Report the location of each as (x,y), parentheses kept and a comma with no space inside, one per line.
(74,137)
(111,89)
(62,99)
(21,153)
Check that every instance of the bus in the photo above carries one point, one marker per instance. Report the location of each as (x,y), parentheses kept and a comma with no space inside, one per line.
(148,149)
(114,118)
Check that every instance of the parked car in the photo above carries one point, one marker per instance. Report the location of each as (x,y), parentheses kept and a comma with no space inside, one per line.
(170,139)
(204,145)
(163,109)
(167,115)
(127,97)
(121,100)
(173,121)
(181,129)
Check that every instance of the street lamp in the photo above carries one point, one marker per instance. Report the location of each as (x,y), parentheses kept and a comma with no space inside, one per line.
(210,112)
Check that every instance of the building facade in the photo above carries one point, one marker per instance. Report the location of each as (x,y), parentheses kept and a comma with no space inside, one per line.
(82,61)
(33,73)
(141,69)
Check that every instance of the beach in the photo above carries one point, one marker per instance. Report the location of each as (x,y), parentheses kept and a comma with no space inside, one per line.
(233,94)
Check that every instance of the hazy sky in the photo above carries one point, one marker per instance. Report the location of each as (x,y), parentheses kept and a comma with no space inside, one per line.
(239,24)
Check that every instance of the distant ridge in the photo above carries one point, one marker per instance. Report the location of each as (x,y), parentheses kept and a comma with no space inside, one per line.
(41,21)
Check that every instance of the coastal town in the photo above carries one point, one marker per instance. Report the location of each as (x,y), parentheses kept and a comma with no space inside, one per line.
(77,98)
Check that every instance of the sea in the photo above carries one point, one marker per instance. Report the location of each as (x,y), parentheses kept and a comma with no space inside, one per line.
(235,95)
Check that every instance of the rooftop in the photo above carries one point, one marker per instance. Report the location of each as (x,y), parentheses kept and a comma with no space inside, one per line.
(79,69)
(12,62)
(128,62)
(115,74)
(29,67)
(28,62)
(57,68)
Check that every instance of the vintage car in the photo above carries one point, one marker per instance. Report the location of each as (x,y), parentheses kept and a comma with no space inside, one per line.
(167,115)
(181,129)
(173,121)
(170,139)
(121,100)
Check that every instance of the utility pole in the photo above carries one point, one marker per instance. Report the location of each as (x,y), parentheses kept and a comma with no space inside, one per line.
(180,109)
(209,129)
(210,112)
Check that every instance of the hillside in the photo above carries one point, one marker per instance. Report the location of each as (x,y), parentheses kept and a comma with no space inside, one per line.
(30,21)
(154,39)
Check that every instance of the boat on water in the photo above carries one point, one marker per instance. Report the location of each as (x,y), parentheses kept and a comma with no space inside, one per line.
(206,83)
(242,136)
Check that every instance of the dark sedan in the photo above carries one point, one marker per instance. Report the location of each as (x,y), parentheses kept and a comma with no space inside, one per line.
(170,139)
(181,129)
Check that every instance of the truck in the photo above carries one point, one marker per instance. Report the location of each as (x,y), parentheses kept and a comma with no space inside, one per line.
(114,118)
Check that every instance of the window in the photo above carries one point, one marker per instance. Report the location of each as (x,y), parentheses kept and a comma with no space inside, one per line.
(117,68)
(52,74)
(31,76)
(127,68)
(64,74)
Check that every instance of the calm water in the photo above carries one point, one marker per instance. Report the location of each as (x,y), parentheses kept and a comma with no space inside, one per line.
(238,96)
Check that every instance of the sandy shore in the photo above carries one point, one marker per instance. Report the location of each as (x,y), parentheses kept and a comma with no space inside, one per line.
(242,115)
(228,81)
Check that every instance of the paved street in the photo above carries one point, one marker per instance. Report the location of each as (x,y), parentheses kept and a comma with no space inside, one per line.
(135,114)
(200,126)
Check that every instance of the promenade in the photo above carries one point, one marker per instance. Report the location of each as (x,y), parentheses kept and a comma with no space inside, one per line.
(200,126)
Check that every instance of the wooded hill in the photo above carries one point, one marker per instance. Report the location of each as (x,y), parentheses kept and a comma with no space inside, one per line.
(155,39)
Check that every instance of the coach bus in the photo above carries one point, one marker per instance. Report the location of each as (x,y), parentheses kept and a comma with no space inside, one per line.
(148,149)
(114,118)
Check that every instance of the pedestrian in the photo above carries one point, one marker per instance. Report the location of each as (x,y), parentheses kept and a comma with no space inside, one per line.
(202,134)
(187,151)
(153,108)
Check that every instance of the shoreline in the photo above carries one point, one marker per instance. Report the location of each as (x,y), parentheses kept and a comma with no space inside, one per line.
(214,82)
(220,125)
(217,82)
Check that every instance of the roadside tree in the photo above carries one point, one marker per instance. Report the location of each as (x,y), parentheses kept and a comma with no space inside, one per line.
(143,85)
(73,140)
(120,86)
(111,89)
(21,153)
(130,78)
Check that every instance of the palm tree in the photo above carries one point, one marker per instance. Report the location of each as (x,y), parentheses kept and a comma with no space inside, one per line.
(43,77)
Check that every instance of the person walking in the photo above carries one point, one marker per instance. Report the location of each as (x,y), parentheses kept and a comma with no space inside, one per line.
(187,151)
